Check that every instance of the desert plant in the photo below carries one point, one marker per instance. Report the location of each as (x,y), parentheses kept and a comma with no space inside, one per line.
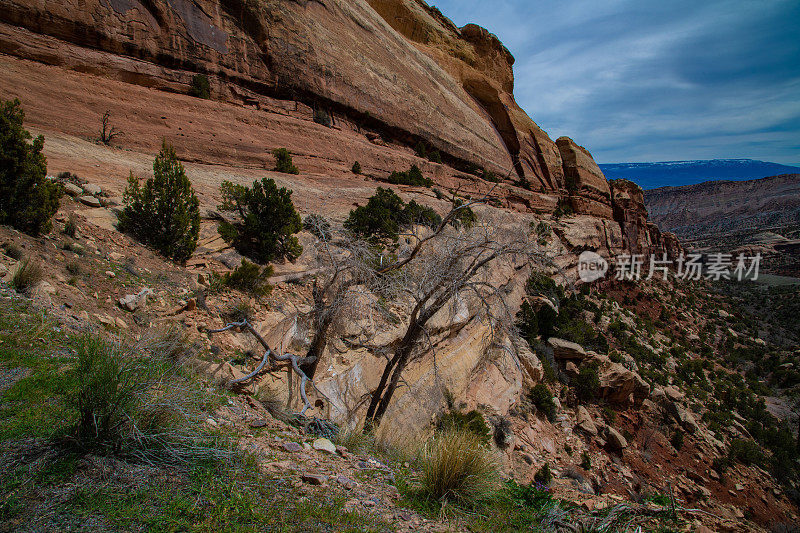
(321,116)
(318,226)
(283,161)
(13,251)
(200,87)
(108,132)
(542,398)
(377,219)
(456,467)
(587,383)
(412,176)
(586,461)
(356,168)
(73,268)
(465,216)
(131,401)
(28,274)
(71,226)
(543,476)
(28,200)
(251,278)
(267,221)
(472,422)
(414,213)
(165,212)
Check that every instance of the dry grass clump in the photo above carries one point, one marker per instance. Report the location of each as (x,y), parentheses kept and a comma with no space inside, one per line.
(133,401)
(456,467)
(28,274)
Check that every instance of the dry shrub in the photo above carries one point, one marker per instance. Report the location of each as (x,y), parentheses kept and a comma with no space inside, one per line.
(28,274)
(456,467)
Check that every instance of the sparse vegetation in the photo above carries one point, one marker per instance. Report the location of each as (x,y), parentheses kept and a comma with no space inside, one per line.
(200,87)
(472,422)
(71,226)
(283,161)
(543,476)
(267,221)
(28,200)
(28,274)
(412,176)
(318,226)
(356,168)
(107,131)
(13,251)
(321,116)
(250,278)
(165,212)
(587,384)
(455,466)
(542,398)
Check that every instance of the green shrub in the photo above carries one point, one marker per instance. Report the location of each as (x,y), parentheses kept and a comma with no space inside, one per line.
(586,461)
(464,217)
(377,219)
(283,161)
(542,398)
(745,451)
(28,274)
(472,422)
(200,88)
(455,466)
(563,209)
(131,402)
(267,221)
(251,278)
(531,496)
(587,383)
(318,226)
(356,168)
(28,200)
(71,226)
(321,116)
(543,476)
(165,212)
(412,176)
(414,213)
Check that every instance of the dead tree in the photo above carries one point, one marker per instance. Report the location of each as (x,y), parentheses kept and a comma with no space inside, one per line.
(448,264)
(108,132)
(295,360)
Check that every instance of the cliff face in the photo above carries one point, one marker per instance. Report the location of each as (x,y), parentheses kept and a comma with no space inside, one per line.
(393,71)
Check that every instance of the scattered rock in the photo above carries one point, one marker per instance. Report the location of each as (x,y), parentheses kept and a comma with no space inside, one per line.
(739,486)
(615,439)
(120,323)
(91,201)
(314,479)
(115,256)
(258,423)
(72,189)
(111,274)
(132,302)
(92,189)
(563,349)
(584,421)
(191,304)
(346,482)
(324,445)
(291,446)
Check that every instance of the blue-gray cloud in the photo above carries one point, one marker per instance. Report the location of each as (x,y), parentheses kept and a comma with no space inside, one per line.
(645,80)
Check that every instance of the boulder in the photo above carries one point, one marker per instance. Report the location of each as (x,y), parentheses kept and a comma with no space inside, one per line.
(618,384)
(72,189)
(91,201)
(324,445)
(132,302)
(584,421)
(615,440)
(563,349)
(92,189)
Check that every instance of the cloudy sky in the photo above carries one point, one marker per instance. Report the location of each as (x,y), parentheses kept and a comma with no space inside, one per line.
(654,80)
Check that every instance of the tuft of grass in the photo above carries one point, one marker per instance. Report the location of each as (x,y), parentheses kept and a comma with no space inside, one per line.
(71,226)
(74,268)
(29,273)
(13,251)
(456,467)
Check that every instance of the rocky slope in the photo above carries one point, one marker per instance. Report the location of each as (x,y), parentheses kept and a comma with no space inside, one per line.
(756,215)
